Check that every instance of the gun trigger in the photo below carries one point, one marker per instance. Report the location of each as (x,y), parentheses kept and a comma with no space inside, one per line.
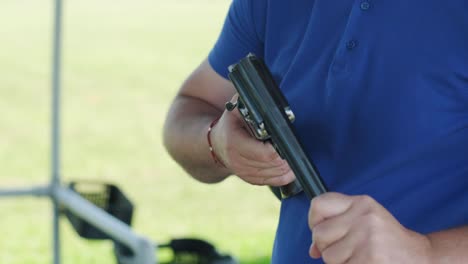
(230,106)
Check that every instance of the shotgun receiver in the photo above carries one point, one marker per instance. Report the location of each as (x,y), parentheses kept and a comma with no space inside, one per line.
(268,116)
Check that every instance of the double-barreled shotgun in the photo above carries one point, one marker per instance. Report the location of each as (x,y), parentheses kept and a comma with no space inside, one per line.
(269,116)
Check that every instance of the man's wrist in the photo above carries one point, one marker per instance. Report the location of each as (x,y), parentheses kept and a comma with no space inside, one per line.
(213,154)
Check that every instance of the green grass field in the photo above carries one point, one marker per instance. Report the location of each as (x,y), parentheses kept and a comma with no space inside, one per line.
(123,63)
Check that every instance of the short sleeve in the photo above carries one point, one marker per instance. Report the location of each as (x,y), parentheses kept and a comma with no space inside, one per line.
(243,32)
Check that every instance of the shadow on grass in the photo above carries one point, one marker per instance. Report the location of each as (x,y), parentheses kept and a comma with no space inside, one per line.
(263,260)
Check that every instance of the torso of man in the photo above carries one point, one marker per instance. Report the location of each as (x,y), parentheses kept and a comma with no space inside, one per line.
(380,93)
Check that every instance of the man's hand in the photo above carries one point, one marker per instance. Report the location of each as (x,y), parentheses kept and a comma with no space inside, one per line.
(358,230)
(251,160)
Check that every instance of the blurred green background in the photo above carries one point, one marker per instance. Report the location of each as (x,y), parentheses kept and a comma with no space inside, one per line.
(123,63)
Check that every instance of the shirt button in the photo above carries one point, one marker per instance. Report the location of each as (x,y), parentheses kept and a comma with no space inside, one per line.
(365,5)
(351,44)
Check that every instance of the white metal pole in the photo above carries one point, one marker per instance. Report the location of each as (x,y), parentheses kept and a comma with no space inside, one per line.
(55,133)
(144,249)
(29,191)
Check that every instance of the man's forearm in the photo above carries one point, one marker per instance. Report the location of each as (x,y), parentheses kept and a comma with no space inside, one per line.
(185,138)
(450,246)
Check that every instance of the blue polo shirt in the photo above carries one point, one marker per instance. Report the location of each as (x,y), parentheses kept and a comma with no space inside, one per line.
(380,92)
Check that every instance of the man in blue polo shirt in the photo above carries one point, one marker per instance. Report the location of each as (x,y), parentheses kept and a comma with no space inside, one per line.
(380,93)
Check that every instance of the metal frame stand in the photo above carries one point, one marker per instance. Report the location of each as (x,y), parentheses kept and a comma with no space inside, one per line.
(143,248)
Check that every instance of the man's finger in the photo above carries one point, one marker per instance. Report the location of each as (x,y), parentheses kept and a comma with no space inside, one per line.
(281,180)
(264,174)
(271,181)
(314,252)
(275,161)
(328,205)
(333,229)
(344,249)
(255,150)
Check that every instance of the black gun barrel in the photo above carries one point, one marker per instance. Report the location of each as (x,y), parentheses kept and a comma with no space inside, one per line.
(261,95)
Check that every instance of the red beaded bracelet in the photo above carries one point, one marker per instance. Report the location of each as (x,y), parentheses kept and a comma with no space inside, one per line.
(208,136)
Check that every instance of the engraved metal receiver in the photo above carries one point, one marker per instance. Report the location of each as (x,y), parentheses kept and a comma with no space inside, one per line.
(257,129)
